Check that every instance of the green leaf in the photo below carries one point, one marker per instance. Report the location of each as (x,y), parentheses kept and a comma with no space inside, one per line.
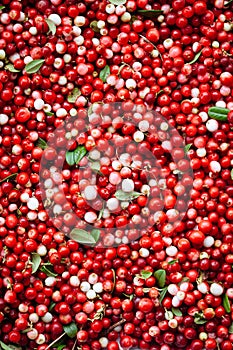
(11,68)
(9,347)
(126,196)
(176,311)
(41,143)
(232,174)
(36,260)
(73,95)
(162,294)
(95,166)
(2,7)
(95,233)
(184,279)
(226,304)
(104,73)
(187,147)
(51,25)
(48,271)
(117,2)
(231,329)
(195,57)
(100,213)
(49,113)
(94,26)
(10,177)
(60,347)
(172,262)
(74,157)
(218,113)
(150,13)
(160,276)
(52,305)
(199,320)
(228,3)
(26,330)
(130,296)
(82,236)
(34,66)
(70,329)
(145,274)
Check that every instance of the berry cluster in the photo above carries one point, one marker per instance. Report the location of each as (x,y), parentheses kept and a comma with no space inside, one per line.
(116,180)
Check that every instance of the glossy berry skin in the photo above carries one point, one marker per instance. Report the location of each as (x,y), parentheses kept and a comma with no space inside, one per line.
(116,186)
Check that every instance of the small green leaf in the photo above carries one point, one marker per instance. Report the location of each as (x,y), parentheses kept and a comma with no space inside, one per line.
(150,13)
(100,213)
(231,329)
(176,311)
(94,26)
(218,113)
(51,25)
(9,347)
(187,147)
(60,347)
(48,271)
(73,95)
(117,2)
(162,294)
(172,262)
(195,57)
(95,233)
(104,73)
(126,196)
(36,260)
(228,3)
(160,276)
(130,296)
(10,177)
(199,320)
(184,279)
(19,213)
(82,236)
(74,157)
(34,66)
(26,330)
(41,143)
(145,274)
(232,174)
(226,304)
(11,68)
(2,7)
(70,329)
(49,114)
(95,166)
(52,305)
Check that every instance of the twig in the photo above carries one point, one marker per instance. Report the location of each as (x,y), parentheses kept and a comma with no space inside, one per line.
(56,340)
(116,324)
(147,40)
(75,343)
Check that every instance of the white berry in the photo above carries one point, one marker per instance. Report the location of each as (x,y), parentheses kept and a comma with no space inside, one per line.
(127,185)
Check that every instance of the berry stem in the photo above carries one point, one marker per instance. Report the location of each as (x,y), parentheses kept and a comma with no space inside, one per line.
(55,341)
(117,324)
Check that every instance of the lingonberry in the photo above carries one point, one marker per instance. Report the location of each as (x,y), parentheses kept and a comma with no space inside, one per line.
(94,53)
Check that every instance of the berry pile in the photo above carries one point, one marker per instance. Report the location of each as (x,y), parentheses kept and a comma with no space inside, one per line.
(116,179)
